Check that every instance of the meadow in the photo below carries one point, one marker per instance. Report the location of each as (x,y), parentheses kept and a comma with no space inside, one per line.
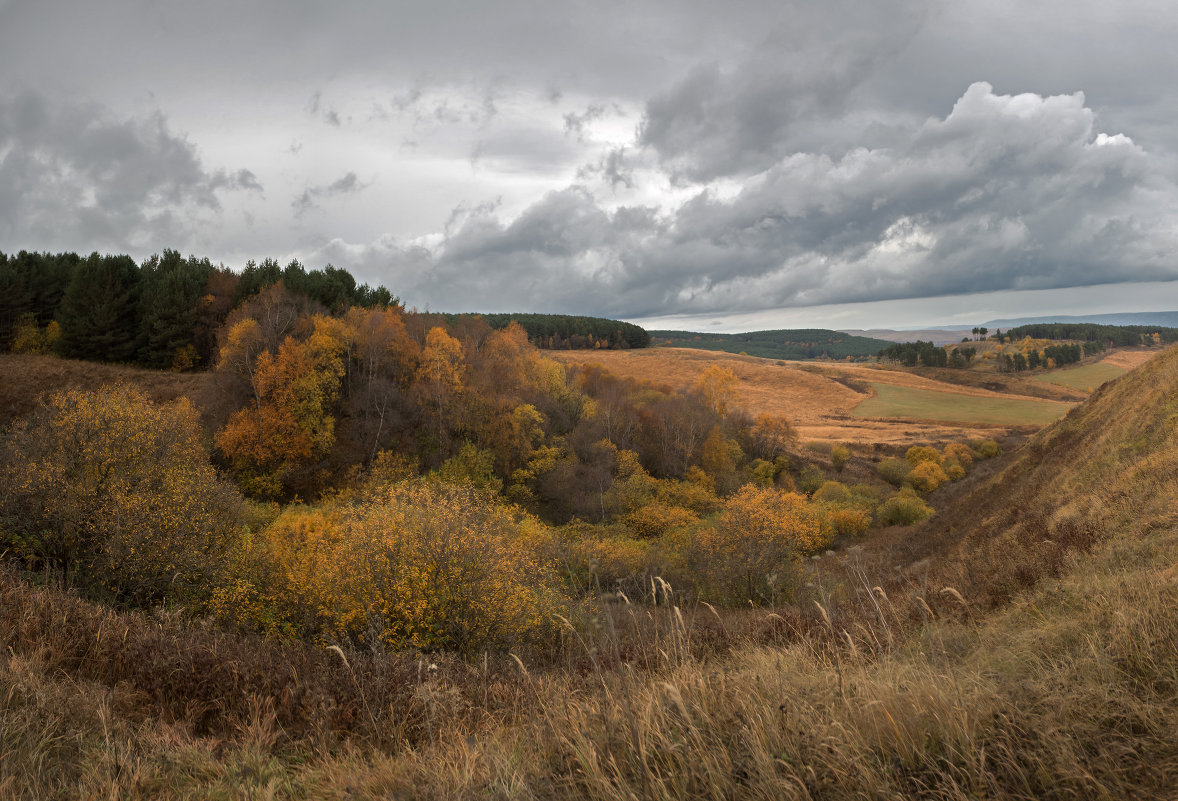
(910,403)
(837,401)
(1086,377)
(373,554)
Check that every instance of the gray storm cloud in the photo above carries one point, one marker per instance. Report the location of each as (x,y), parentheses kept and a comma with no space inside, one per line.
(1003,192)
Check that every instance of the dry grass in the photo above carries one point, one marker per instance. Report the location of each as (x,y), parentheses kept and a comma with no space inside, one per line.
(25,379)
(820,399)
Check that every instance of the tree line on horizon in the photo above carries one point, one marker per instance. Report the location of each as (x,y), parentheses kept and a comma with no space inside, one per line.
(165,312)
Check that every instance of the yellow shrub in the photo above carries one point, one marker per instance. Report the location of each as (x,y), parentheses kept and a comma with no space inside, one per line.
(954,471)
(927,476)
(848,521)
(987,449)
(959,452)
(922,453)
(422,563)
(751,551)
(117,491)
(839,456)
(656,518)
(832,492)
(903,509)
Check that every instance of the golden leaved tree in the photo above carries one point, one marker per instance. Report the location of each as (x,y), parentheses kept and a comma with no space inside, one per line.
(751,551)
(290,422)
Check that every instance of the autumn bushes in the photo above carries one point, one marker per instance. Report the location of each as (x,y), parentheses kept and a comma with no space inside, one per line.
(117,493)
(417,563)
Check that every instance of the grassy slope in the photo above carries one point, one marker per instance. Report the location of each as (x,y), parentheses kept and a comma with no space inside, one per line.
(1084,378)
(25,378)
(1022,667)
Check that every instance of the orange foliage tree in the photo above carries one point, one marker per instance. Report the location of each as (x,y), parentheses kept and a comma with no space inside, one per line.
(290,421)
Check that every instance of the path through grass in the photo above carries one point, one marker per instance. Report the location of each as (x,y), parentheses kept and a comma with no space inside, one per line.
(924,404)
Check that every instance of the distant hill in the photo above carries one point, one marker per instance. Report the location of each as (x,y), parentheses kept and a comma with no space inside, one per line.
(937,336)
(1168,319)
(801,343)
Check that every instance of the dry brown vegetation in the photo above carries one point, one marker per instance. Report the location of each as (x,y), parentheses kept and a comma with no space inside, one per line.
(1021,644)
(820,398)
(25,380)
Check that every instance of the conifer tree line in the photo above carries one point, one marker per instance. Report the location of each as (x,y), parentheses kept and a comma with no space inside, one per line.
(162,313)
(165,312)
(1111,336)
(926,353)
(570,332)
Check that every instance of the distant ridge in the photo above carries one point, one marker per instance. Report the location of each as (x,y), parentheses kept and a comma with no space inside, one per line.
(1169,319)
(799,343)
(937,336)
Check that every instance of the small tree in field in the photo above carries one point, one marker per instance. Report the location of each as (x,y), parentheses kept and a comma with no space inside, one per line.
(839,456)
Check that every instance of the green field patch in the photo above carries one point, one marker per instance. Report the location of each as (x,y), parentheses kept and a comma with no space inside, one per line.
(1086,378)
(927,404)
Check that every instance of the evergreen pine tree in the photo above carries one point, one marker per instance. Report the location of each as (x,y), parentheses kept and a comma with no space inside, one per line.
(172,292)
(99,312)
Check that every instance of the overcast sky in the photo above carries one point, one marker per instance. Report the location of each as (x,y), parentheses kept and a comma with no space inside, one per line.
(850,163)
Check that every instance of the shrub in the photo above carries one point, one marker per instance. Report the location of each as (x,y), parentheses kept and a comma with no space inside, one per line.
(987,449)
(927,476)
(922,453)
(810,479)
(656,518)
(848,521)
(750,553)
(894,471)
(762,472)
(959,452)
(687,495)
(420,563)
(118,493)
(954,471)
(904,509)
(839,456)
(832,492)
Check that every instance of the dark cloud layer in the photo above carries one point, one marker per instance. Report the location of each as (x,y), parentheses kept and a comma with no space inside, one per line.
(1003,192)
(346,184)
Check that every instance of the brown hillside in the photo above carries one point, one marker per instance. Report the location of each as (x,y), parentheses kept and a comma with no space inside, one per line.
(818,398)
(1110,463)
(25,379)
